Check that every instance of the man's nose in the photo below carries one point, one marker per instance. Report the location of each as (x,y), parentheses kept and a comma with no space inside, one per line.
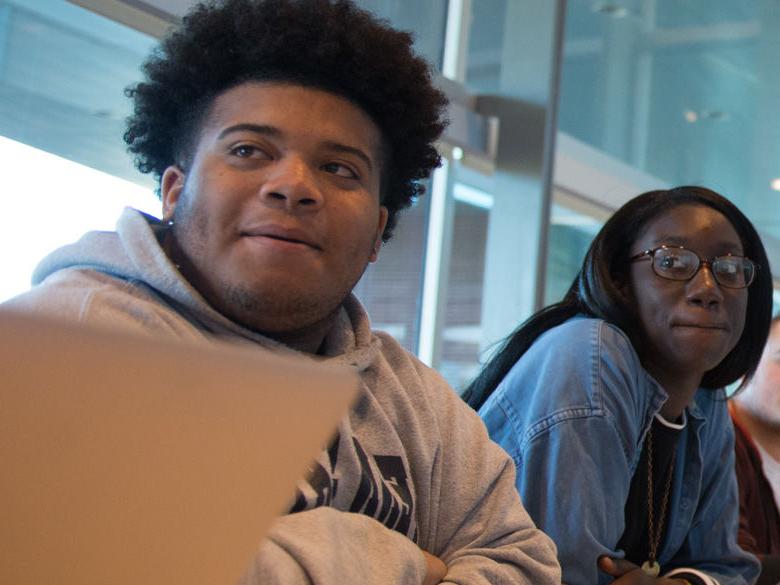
(292,183)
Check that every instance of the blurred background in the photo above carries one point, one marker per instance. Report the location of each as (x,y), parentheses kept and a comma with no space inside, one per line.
(561,111)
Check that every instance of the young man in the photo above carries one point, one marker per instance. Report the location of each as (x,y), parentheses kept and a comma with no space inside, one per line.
(756,415)
(286,136)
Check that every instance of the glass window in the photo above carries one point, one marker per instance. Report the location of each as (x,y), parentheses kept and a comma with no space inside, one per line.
(390,289)
(426,20)
(62,109)
(62,81)
(462,335)
(573,224)
(685,92)
(486,46)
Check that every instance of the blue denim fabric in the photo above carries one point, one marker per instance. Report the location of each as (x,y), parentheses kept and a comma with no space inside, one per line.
(573,413)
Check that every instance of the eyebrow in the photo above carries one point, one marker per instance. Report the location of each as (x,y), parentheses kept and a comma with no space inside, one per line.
(677,241)
(256,128)
(273,131)
(338,147)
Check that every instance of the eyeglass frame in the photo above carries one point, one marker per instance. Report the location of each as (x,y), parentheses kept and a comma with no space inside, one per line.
(702,262)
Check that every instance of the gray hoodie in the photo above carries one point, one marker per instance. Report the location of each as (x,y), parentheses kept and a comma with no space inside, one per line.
(411,467)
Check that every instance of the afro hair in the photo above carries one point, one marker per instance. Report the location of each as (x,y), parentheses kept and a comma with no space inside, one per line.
(325,44)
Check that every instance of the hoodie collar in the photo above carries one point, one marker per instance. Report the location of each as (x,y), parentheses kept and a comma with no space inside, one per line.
(134,253)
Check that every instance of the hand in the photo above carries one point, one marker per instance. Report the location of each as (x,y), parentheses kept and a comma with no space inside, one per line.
(436,569)
(627,573)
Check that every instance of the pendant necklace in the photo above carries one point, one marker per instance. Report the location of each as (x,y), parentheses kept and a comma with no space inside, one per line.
(651,566)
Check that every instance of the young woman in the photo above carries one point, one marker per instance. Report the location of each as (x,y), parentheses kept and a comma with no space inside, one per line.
(611,401)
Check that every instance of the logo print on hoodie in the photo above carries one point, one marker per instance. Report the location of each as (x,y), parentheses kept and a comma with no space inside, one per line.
(382,493)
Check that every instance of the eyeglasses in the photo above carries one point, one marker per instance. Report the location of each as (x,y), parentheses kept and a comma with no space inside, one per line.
(678,263)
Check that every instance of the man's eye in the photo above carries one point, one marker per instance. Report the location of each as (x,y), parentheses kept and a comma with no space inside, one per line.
(245,150)
(340,170)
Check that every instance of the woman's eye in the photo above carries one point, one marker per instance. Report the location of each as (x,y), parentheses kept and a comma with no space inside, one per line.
(340,170)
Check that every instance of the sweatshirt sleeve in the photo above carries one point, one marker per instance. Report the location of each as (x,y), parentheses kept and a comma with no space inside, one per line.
(479,526)
(326,546)
(93,298)
(468,512)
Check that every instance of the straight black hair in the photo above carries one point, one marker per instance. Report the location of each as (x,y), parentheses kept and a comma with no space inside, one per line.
(595,291)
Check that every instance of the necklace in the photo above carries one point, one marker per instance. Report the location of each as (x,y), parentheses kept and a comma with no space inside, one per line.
(651,566)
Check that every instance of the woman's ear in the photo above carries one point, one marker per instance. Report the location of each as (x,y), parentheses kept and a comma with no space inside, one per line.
(622,284)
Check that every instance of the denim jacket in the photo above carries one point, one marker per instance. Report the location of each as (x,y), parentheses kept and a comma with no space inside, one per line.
(573,413)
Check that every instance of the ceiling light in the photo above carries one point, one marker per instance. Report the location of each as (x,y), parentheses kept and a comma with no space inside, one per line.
(693,116)
(610,9)
(775,184)
(714,114)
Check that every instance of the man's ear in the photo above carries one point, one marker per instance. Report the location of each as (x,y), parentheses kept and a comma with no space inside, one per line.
(171,186)
(383,214)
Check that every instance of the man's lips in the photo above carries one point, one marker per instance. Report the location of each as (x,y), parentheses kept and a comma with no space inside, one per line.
(284,234)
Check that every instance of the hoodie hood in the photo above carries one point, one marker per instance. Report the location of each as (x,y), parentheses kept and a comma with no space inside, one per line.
(133,253)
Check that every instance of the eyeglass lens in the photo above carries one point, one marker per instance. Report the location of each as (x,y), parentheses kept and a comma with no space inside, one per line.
(681,264)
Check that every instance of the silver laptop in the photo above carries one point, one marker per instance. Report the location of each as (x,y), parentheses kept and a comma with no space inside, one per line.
(132,461)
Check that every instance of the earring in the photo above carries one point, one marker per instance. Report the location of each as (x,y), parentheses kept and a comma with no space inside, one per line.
(169,223)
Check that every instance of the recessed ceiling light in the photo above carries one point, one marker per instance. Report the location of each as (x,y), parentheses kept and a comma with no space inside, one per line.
(714,114)
(693,116)
(775,184)
(610,9)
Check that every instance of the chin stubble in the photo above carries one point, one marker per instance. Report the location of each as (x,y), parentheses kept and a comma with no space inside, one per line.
(253,309)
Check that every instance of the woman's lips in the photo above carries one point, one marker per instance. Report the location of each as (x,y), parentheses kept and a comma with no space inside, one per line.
(713,326)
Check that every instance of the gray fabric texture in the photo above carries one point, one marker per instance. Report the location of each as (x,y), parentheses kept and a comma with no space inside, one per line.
(411,467)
